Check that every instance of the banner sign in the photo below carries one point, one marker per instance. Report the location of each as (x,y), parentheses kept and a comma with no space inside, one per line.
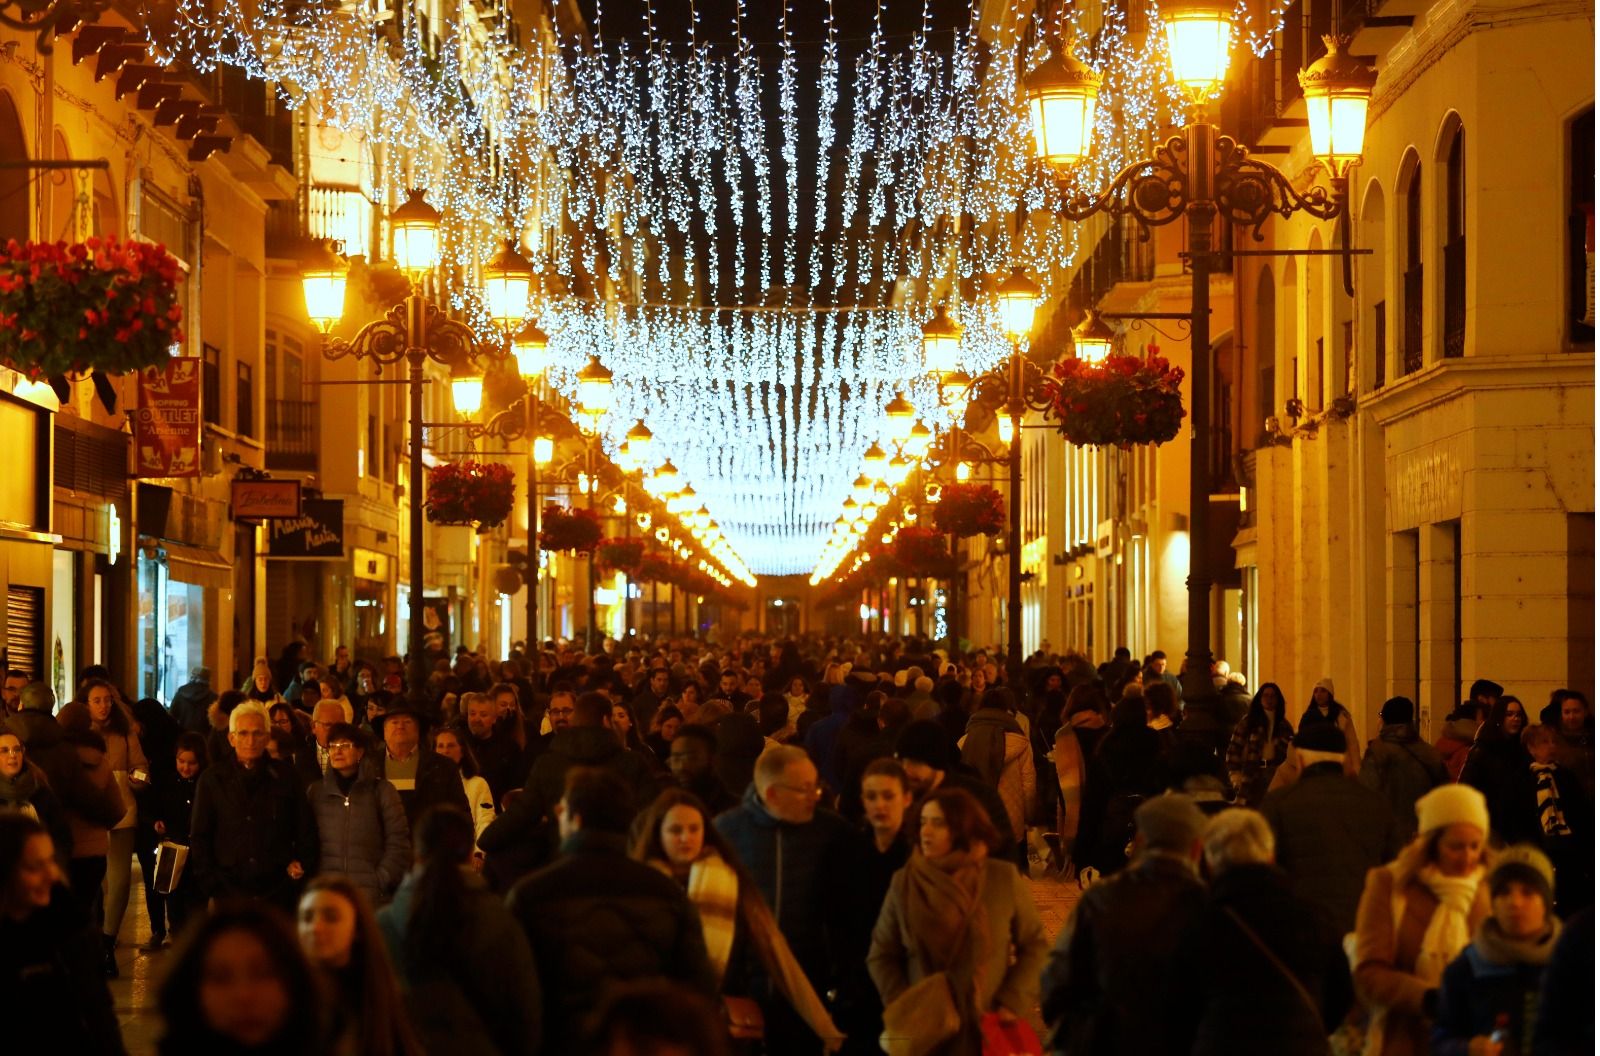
(166,428)
(318,532)
(265,499)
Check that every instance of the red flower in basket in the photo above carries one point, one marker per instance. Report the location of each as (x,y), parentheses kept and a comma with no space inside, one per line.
(969,509)
(1124,400)
(577,531)
(470,492)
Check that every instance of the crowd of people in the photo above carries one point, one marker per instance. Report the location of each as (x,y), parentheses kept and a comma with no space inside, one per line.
(793,846)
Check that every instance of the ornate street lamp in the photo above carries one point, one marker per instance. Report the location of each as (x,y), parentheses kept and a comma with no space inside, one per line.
(1018,298)
(1062,92)
(902,415)
(323,277)
(1338,88)
(1199,42)
(1091,339)
(466,392)
(941,343)
(506,280)
(414,225)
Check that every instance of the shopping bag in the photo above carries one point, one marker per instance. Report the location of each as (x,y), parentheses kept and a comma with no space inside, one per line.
(1008,1039)
(170,859)
(921,1019)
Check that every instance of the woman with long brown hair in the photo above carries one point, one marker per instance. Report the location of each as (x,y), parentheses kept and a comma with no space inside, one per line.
(959,909)
(675,835)
(340,935)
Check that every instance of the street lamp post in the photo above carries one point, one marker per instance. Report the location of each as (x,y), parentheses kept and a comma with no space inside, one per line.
(414,332)
(1199,175)
(1011,390)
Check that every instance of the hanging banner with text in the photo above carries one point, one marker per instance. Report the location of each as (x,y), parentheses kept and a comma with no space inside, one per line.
(317,533)
(166,428)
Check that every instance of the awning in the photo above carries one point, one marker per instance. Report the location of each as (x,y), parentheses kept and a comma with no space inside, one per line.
(197,565)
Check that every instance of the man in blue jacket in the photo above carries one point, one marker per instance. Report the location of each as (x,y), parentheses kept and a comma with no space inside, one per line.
(793,848)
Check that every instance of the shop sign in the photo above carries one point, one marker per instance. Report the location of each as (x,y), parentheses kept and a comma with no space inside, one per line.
(369,564)
(166,427)
(264,500)
(317,533)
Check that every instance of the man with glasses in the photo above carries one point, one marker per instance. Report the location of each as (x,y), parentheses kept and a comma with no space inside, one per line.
(252,832)
(324,717)
(793,848)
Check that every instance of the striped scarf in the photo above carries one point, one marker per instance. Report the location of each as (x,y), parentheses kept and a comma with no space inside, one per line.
(1551,818)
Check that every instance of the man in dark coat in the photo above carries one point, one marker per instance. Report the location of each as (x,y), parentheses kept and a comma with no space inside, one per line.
(1330,829)
(1107,986)
(930,761)
(191,701)
(524,836)
(423,777)
(500,762)
(1261,974)
(1401,766)
(252,832)
(693,751)
(596,917)
(796,852)
(656,689)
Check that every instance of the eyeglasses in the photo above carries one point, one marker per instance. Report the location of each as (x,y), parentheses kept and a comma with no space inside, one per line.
(341,746)
(11,751)
(806,791)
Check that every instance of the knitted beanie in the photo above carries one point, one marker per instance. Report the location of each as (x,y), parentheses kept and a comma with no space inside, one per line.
(1453,805)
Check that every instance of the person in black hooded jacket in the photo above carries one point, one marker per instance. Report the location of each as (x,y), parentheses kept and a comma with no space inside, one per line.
(1126,770)
(588,741)
(1498,761)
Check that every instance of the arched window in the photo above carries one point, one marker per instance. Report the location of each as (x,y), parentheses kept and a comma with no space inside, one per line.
(1455,245)
(1374,285)
(1411,262)
(1580,229)
(1316,340)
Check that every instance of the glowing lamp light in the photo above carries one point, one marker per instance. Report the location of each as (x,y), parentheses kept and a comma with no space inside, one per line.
(1338,88)
(322,277)
(415,227)
(1091,339)
(875,458)
(1062,92)
(1019,299)
(506,280)
(920,440)
(899,469)
(544,450)
(640,442)
(860,490)
(963,472)
(902,415)
(665,478)
(619,505)
(1199,40)
(466,391)
(932,491)
(594,388)
(941,343)
(529,344)
(880,494)
(1007,427)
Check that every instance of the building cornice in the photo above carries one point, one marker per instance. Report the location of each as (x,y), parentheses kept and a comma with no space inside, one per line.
(1450,379)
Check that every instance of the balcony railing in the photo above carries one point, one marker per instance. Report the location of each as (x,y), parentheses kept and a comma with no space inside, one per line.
(1411,347)
(291,434)
(1455,297)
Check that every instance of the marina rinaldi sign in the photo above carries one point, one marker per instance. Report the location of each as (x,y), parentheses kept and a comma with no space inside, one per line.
(317,533)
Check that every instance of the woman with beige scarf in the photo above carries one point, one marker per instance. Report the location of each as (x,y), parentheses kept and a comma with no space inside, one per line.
(676,836)
(1417,913)
(957,911)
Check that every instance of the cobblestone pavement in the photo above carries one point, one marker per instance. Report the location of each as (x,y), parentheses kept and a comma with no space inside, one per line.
(135,993)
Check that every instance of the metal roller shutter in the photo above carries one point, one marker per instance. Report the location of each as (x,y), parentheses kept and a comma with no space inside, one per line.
(25,630)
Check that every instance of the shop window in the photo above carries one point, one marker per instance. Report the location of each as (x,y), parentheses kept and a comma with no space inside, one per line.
(172,623)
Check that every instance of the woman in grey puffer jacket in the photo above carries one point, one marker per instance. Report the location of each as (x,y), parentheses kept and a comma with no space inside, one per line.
(361,824)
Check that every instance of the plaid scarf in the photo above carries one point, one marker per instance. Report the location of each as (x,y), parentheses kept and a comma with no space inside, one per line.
(1551,818)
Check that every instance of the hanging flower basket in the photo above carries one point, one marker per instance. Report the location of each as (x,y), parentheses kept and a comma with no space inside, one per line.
(577,531)
(921,552)
(619,555)
(653,568)
(969,509)
(1121,401)
(100,305)
(469,492)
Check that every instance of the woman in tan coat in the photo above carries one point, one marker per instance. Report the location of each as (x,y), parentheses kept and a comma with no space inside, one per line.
(1417,914)
(956,909)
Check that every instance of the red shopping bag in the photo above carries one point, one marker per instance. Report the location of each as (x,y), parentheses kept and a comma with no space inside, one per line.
(1008,1039)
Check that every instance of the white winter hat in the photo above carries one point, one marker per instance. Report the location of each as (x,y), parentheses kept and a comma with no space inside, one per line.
(1453,805)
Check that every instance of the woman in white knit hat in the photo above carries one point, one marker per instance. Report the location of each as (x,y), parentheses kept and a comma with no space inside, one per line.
(1417,913)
